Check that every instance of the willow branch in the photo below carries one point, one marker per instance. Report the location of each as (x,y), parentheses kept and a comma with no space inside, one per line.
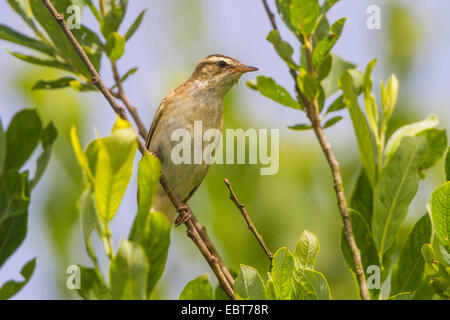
(312,111)
(122,96)
(247,218)
(192,232)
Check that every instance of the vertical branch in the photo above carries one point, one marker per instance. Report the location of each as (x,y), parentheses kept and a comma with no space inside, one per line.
(312,112)
(214,262)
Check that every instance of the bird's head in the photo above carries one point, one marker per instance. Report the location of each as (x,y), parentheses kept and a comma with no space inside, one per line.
(219,72)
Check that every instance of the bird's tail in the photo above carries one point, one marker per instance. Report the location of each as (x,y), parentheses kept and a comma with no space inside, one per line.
(162,203)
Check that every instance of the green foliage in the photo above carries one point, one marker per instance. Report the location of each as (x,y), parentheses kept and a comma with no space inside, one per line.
(11,35)
(409,130)
(269,88)
(135,25)
(115,46)
(447,165)
(396,189)
(58,51)
(300,16)
(25,132)
(128,272)
(306,250)
(440,211)
(362,130)
(283,48)
(282,269)
(198,289)
(409,271)
(291,277)
(11,287)
(310,285)
(139,262)
(249,285)
(92,286)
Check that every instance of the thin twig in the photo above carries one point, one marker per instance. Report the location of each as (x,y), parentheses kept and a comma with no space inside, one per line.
(247,218)
(122,96)
(312,111)
(212,260)
(270,14)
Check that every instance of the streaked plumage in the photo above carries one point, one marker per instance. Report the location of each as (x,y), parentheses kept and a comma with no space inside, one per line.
(198,99)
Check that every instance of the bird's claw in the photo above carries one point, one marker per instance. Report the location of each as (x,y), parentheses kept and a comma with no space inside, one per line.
(184,215)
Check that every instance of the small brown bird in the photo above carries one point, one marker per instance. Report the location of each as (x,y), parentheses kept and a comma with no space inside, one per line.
(198,99)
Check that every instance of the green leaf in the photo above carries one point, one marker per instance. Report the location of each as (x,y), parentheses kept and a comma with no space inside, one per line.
(409,130)
(339,66)
(115,46)
(22,137)
(90,221)
(249,285)
(389,95)
(306,250)
(409,270)
(370,101)
(113,171)
(300,16)
(447,165)
(308,84)
(325,68)
(11,287)
(270,290)
(395,190)
(2,147)
(437,144)
(11,35)
(270,89)
(360,126)
(301,127)
(128,272)
(49,136)
(331,122)
(198,289)
(440,212)
(283,48)
(59,39)
(401,296)
(14,202)
(18,7)
(81,157)
(114,18)
(336,105)
(92,285)
(135,25)
(154,236)
(148,178)
(53,84)
(324,47)
(91,44)
(310,285)
(41,62)
(282,269)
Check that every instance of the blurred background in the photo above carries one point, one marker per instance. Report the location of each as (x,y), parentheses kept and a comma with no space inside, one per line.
(413,43)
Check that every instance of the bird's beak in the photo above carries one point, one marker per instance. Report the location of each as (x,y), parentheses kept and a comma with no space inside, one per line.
(245,69)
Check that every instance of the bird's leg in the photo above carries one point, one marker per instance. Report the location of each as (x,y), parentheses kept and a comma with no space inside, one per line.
(184,215)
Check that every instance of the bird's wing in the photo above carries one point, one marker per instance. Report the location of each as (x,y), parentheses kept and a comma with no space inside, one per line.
(154,123)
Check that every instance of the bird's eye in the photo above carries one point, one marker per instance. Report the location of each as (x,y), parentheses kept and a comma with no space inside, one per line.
(223,64)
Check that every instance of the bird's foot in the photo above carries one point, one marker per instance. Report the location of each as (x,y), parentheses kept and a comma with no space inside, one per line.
(184,215)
